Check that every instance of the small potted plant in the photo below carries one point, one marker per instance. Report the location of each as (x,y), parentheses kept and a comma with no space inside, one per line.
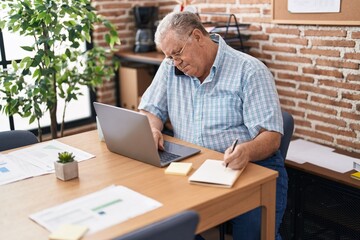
(66,168)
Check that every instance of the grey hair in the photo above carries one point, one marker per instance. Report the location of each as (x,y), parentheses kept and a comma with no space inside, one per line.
(180,23)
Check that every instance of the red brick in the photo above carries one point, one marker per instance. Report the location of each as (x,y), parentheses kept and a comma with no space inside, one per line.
(333,121)
(286,102)
(339,84)
(331,102)
(320,52)
(297,41)
(251,44)
(296,113)
(318,90)
(355,145)
(287,31)
(282,66)
(336,131)
(299,78)
(260,55)
(245,10)
(293,94)
(215,10)
(315,134)
(324,33)
(353,77)
(259,37)
(355,126)
(278,49)
(350,115)
(284,84)
(351,96)
(355,35)
(317,108)
(337,64)
(355,56)
(333,43)
(293,59)
(303,123)
(254,28)
(316,71)
(256,20)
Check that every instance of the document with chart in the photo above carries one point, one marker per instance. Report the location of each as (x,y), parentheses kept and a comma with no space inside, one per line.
(97,210)
(12,170)
(35,160)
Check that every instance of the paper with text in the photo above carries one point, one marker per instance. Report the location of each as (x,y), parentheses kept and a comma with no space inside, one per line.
(98,210)
(314,6)
(301,151)
(35,160)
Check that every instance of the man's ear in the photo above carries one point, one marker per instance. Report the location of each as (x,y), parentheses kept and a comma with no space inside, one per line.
(198,35)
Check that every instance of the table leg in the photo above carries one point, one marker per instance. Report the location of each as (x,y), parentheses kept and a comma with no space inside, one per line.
(268,203)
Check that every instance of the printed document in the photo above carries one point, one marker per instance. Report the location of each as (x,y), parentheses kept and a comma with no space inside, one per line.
(301,151)
(12,170)
(314,6)
(35,160)
(96,211)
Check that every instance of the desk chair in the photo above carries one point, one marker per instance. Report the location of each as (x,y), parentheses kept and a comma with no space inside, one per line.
(16,138)
(288,132)
(181,226)
(288,122)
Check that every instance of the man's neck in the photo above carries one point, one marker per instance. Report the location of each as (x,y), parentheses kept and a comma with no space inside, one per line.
(210,56)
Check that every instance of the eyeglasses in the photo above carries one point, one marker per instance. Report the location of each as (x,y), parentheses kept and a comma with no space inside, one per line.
(176,56)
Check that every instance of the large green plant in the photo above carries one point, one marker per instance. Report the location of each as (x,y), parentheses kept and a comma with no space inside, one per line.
(58,65)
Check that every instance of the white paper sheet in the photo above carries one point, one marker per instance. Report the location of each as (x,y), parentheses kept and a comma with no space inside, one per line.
(36,160)
(43,155)
(98,210)
(299,147)
(314,6)
(11,170)
(302,151)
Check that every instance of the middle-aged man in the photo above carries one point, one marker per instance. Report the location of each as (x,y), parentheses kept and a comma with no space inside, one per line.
(214,94)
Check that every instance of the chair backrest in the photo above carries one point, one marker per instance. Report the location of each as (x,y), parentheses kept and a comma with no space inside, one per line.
(16,138)
(288,132)
(181,226)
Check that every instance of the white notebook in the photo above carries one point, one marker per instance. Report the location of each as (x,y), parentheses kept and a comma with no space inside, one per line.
(214,173)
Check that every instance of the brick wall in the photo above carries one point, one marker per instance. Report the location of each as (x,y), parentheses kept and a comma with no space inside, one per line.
(316,68)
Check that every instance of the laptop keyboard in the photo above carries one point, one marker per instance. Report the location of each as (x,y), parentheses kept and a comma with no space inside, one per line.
(166,157)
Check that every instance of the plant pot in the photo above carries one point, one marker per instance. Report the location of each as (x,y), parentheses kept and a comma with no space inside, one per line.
(66,171)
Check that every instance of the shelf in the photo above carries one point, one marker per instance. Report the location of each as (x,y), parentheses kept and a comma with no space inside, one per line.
(229,30)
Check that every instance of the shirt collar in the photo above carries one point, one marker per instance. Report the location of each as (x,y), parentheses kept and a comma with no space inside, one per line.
(219,55)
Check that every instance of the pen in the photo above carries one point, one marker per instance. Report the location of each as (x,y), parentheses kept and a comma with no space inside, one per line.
(232,149)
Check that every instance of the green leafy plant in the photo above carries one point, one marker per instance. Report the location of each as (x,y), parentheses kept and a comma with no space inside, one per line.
(65,157)
(57,65)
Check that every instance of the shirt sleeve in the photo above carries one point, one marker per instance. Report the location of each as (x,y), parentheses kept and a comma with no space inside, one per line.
(154,99)
(261,102)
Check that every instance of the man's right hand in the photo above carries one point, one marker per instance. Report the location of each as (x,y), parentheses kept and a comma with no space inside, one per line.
(159,139)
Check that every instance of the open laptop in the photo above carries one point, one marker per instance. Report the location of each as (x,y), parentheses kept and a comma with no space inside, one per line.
(128,133)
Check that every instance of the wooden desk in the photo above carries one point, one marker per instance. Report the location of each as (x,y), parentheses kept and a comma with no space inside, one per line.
(255,187)
(322,204)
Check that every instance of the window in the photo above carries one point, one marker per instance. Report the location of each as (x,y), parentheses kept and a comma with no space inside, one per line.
(10,50)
